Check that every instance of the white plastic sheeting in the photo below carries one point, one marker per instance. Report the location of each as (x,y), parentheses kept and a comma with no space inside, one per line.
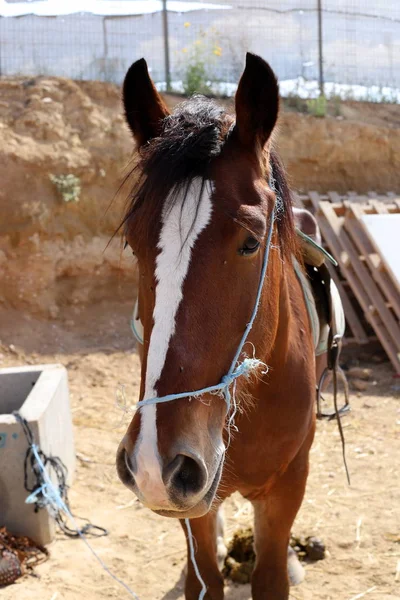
(105,8)
(384,233)
(361,41)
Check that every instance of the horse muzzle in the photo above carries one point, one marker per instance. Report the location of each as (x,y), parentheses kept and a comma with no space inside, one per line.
(185,487)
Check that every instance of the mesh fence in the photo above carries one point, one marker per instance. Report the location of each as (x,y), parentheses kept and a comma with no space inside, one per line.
(360,43)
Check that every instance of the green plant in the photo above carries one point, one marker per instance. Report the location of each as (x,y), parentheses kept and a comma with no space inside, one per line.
(195,79)
(198,61)
(68,186)
(317,106)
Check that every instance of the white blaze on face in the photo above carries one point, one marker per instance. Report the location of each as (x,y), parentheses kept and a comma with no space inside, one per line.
(179,232)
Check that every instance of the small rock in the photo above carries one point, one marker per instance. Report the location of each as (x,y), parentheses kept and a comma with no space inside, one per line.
(345,545)
(359,384)
(12,349)
(315,549)
(359,373)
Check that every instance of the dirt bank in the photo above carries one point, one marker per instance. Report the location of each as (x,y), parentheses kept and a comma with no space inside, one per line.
(54,251)
(52,248)
(342,155)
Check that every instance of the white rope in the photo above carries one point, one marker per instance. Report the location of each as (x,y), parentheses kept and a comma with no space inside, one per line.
(193,559)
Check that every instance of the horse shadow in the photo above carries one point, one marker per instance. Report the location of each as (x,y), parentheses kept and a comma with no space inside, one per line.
(178,591)
(232,592)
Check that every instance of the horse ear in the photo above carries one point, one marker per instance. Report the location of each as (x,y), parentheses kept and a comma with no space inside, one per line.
(144,107)
(256,102)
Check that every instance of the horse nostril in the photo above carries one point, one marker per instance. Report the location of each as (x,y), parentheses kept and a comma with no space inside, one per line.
(125,467)
(129,463)
(185,475)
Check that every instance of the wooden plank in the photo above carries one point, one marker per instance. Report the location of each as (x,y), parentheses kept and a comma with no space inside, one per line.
(351,316)
(361,199)
(394,199)
(371,210)
(379,207)
(370,207)
(334,197)
(315,200)
(362,284)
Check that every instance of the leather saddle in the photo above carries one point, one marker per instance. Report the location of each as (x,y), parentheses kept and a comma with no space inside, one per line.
(324,306)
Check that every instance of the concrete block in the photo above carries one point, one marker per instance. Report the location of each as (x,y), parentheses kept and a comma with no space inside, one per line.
(40,394)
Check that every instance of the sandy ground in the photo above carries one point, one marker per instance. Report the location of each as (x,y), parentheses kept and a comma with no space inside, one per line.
(358,524)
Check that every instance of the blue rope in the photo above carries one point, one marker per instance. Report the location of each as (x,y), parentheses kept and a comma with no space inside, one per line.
(221,388)
(193,559)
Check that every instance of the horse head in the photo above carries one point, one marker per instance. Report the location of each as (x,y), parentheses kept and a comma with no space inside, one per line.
(197,223)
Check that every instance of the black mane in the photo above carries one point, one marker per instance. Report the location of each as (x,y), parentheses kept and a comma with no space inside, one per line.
(191,137)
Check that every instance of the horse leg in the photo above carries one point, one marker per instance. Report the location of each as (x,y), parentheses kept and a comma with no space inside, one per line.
(274,517)
(205,532)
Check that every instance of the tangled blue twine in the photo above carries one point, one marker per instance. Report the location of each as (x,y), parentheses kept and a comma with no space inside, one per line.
(51,493)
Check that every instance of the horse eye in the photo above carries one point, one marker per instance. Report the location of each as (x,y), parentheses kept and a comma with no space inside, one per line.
(250,246)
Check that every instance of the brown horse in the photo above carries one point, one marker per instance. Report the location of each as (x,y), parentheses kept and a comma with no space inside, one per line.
(201,209)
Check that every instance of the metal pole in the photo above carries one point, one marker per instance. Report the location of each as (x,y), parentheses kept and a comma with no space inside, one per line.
(320,49)
(166,46)
(105,50)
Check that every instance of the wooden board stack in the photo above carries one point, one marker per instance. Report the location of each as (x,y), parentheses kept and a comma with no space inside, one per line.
(369,263)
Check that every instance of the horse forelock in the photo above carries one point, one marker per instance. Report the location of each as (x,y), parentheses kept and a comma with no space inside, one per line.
(191,138)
